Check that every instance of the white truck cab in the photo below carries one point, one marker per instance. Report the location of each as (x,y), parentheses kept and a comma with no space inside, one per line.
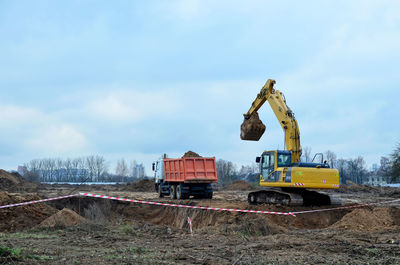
(158,170)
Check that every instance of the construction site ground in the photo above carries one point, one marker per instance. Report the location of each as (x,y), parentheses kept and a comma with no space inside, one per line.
(98,231)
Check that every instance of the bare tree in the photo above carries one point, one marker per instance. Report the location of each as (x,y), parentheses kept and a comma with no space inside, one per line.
(68,169)
(385,168)
(133,169)
(91,167)
(395,164)
(122,169)
(341,165)
(307,153)
(331,158)
(226,171)
(48,165)
(33,169)
(356,169)
(100,167)
(58,170)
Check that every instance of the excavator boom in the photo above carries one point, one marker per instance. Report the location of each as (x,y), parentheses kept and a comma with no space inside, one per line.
(253,128)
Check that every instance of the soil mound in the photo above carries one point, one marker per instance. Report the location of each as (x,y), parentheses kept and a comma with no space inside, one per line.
(357,188)
(14,182)
(238,185)
(191,154)
(63,218)
(22,217)
(142,185)
(7,178)
(364,219)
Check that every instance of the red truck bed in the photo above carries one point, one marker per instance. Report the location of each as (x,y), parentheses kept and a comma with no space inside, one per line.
(190,169)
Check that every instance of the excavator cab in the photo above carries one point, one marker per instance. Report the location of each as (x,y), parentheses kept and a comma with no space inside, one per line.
(270,161)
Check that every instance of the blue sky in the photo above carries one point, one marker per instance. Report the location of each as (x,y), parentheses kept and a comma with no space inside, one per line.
(136,79)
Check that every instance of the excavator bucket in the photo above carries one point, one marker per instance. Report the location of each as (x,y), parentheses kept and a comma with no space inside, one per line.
(252,128)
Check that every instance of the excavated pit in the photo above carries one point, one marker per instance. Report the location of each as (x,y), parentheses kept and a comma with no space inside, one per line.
(116,212)
(110,211)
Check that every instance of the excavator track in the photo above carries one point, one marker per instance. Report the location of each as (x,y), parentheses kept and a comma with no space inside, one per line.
(292,197)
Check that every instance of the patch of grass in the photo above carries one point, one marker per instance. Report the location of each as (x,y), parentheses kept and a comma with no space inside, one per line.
(22,235)
(126,229)
(373,251)
(114,257)
(38,257)
(137,250)
(20,254)
(13,253)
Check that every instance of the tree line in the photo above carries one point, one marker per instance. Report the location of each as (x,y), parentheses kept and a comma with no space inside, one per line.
(351,170)
(93,168)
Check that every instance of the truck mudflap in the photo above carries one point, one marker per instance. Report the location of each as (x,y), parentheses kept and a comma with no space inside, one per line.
(292,197)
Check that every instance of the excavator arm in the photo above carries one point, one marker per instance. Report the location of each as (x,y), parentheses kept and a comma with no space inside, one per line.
(252,127)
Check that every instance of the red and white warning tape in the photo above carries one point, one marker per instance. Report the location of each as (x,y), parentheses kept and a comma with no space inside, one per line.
(183,205)
(347,207)
(196,207)
(39,201)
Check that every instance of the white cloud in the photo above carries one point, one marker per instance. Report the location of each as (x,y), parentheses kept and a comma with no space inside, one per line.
(127,105)
(13,115)
(188,9)
(58,140)
(34,133)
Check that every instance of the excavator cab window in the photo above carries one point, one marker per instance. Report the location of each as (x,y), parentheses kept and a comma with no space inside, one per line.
(268,166)
(284,159)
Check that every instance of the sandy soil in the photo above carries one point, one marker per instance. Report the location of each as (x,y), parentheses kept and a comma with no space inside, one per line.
(124,233)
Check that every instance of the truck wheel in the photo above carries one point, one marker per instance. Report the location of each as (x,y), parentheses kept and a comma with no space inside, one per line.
(179,192)
(160,194)
(172,191)
(209,195)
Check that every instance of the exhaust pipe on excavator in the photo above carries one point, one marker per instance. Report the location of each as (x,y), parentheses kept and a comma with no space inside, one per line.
(252,128)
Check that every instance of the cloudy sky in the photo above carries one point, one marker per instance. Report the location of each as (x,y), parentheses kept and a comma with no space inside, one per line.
(135,79)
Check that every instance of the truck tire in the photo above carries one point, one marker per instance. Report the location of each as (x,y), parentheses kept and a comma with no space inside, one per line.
(209,195)
(172,192)
(178,191)
(160,194)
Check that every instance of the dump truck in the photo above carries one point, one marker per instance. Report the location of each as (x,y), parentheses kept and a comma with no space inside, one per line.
(287,180)
(183,177)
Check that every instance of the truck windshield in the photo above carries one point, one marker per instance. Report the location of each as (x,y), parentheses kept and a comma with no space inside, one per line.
(284,160)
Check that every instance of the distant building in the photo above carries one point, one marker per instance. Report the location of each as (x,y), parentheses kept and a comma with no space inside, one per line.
(72,175)
(22,170)
(375,168)
(139,171)
(374,180)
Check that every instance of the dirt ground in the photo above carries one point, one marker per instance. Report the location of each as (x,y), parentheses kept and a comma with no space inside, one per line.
(89,230)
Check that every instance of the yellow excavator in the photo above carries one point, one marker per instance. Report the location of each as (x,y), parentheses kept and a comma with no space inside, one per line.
(288,179)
